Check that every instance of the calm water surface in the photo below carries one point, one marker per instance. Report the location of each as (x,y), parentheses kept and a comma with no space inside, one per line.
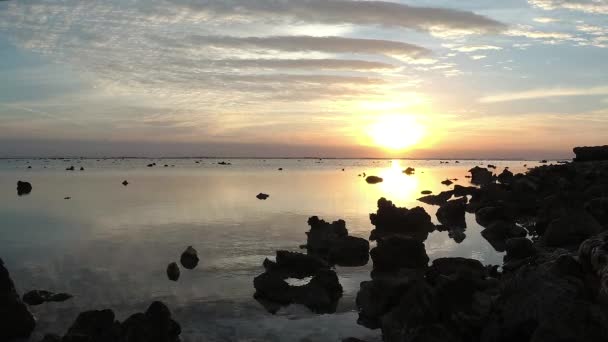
(109,245)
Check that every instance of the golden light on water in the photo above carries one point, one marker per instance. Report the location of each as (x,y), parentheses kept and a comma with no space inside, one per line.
(396,132)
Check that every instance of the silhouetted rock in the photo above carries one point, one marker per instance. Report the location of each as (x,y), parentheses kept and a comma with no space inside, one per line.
(262,196)
(505,177)
(81,168)
(373,180)
(37,297)
(481,176)
(280,169)
(71,168)
(498,232)
(16,321)
(591,153)
(490,166)
(485,216)
(23,188)
(125,183)
(95,326)
(571,228)
(173,271)
(392,220)
(155,325)
(409,171)
(447,182)
(224,163)
(426,192)
(598,208)
(331,242)
(452,213)
(438,199)
(394,253)
(189,258)
(593,256)
(460,191)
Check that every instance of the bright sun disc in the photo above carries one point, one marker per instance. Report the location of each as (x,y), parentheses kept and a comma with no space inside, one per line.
(396,132)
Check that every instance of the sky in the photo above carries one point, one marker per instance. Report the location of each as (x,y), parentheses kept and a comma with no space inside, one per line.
(303,78)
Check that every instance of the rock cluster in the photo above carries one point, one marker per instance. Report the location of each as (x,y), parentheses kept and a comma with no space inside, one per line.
(331,242)
(392,220)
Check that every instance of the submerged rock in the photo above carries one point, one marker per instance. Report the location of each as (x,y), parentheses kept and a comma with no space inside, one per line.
(262,196)
(373,179)
(37,297)
(189,258)
(392,220)
(16,321)
(173,271)
(23,188)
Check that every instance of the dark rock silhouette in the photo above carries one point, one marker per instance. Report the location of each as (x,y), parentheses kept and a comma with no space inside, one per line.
(331,242)
(224,163)
(37,297)
(409,171)
(16,321)
(189,258)
(447,182)
(426,192)
(481,176)
(460,191)
(71,168)
(519,248)
(505,177)
(23,188)
(262,196)
(125,183)
(394,253)
(81,168)
(593,153)
(373,180)
(497,233)
(452,213)
(173,271)
(392,220)
(320,294)
(438,199)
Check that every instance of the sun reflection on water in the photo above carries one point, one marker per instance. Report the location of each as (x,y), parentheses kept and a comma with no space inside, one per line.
(397,185)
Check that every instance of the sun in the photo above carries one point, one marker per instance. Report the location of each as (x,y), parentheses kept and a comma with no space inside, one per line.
(396,132)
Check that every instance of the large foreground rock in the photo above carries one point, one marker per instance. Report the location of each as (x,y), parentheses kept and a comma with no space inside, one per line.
(452,214)
(392,220)
(16,321)
(481,176)
(395,253)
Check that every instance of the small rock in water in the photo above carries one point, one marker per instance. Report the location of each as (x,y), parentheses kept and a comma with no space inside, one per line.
(29,167)
(426,192)
(447,182)
(490,166)
(67,198)
(189,258)
(409,171)
(37,297)
(81,168)
(125,183)
(23,188)
(262,196)
(280,169)
(373,180)
(71,168)
(173,271)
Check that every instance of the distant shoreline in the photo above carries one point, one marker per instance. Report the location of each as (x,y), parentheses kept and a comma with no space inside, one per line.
(275,158)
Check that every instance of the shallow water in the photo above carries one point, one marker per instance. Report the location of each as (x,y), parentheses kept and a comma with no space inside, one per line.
(109,245)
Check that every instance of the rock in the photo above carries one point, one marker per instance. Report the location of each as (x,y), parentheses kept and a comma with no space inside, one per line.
(320,295)
(452,213)
(591,153)
(155,325)
(280,169)
(223,163)
(94,326)
(438,199)
(81,168)
(505,177)
(51,338)
(37,297)
(571,228)
(394,253)
(295,265)
(352,339)
(125,183)
(598,208)
(519,248)
(67,198)
(498,232)
(426,192)
(262,196)
(151,165)
(490,166)
(373,180)
(593,256)
(392,220)
(173,271)
(16,321)
(331,242)
(460,191)
(447,182)
(453,266)
(481,176)
(485,216)
(189,258)
(409,171)
(71,168)
(23,188)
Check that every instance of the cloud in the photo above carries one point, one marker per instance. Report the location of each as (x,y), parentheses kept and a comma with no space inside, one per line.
(379,13)
(588,6)
(544,93)
(545,20)
(546,36)
(478,57)
(471,48)
(304,63)
(400,50)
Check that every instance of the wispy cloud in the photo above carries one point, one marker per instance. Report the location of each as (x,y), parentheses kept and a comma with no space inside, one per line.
(544,93)
(589,6)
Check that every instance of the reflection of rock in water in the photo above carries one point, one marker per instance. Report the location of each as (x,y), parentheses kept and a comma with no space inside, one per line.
(37,297)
